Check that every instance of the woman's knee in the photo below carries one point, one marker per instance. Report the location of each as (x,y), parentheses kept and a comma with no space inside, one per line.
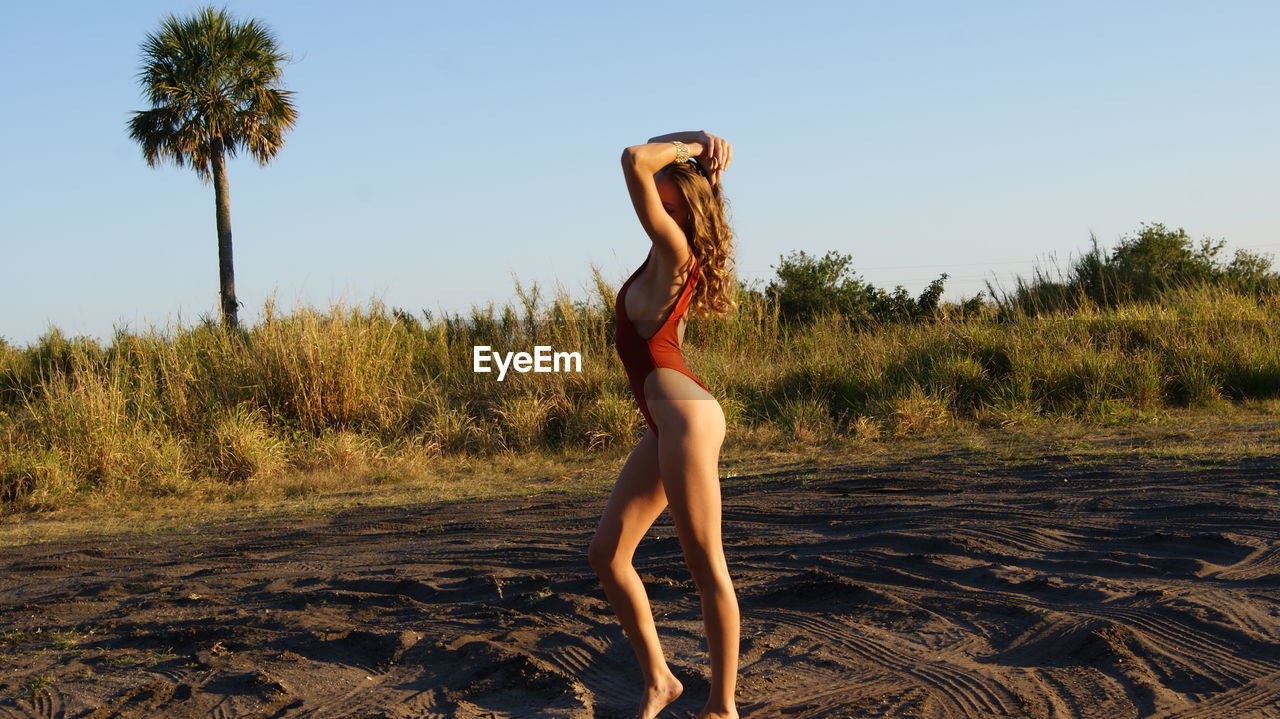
(708,568)
(604,558)
(609,555)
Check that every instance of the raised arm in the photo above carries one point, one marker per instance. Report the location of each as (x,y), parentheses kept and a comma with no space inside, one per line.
(716,155)
(639,163)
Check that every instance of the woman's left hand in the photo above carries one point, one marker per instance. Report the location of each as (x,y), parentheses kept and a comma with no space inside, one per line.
(716,157)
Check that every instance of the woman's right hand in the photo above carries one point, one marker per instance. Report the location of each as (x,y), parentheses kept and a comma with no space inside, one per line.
(716,155)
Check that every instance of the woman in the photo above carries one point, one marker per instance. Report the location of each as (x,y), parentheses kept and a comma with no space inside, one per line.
(680,205)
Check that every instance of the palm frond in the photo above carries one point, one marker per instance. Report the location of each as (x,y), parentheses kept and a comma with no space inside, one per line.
(211,81)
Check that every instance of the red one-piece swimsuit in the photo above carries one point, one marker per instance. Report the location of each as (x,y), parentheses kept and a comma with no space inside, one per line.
(641,356)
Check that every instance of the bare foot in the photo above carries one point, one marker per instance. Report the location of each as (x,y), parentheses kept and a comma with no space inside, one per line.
(718,714)
(658,695)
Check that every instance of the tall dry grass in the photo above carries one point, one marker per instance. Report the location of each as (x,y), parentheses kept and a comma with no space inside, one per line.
(366,395)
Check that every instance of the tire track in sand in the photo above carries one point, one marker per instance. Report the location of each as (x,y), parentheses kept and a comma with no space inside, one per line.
(969,694)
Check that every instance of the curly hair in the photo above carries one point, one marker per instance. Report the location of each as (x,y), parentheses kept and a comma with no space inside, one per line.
(710,236)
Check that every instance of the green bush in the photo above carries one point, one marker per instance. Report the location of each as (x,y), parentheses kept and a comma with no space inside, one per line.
(1143,267)
(807,287)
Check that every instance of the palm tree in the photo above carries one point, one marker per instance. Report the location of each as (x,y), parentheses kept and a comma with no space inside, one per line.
(213,87)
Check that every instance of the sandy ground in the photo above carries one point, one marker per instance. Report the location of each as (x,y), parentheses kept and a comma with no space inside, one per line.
(942,584)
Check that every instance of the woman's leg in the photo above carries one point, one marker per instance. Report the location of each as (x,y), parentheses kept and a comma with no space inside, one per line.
(636,501)
(693,429)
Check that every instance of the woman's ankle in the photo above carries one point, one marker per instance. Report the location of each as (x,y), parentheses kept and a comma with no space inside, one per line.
(661,679)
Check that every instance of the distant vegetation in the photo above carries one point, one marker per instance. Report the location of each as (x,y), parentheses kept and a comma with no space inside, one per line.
(379,395)
(1142,268)
(808,287)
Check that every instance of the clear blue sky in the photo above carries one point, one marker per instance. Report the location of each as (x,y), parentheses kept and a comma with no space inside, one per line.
(444,147)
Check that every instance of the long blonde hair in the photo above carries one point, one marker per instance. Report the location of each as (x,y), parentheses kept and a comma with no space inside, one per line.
(710,236)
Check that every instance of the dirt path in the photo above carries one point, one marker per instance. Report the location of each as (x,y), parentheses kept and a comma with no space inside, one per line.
(941,585)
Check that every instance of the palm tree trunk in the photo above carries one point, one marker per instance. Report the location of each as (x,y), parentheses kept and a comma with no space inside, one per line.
(226,270)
